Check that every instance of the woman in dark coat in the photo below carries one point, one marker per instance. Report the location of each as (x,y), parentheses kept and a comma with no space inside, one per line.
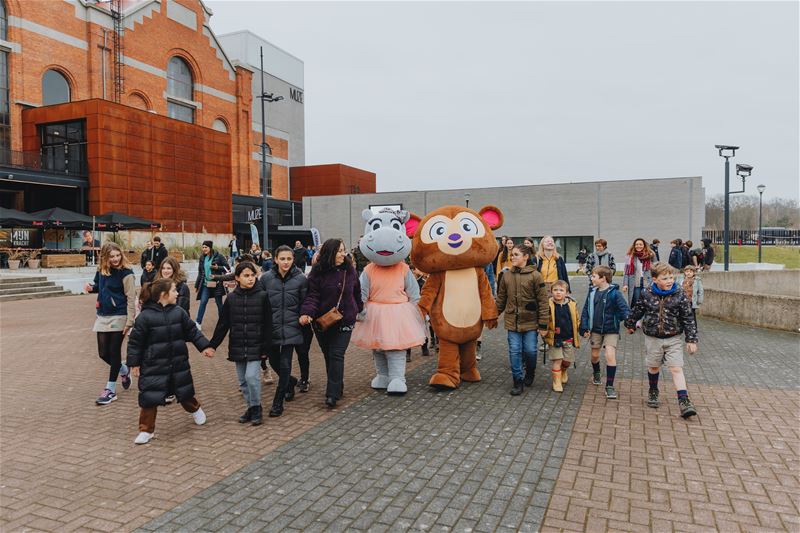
(210,264)
(332,275)
(158,356)
(286,287)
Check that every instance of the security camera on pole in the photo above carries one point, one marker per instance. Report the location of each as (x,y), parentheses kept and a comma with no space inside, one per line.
(743,171)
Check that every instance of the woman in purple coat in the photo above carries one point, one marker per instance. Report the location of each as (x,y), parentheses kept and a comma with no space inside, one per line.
(333,275)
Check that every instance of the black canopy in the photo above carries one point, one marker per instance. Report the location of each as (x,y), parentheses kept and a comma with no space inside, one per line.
(114,221)
(56,217)
(11,217)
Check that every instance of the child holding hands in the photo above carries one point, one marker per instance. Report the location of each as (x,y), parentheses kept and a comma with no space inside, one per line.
(158,356)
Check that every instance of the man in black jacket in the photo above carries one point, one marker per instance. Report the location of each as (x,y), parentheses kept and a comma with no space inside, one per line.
(300,256)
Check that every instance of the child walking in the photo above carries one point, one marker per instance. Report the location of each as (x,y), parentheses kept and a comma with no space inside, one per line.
(692,286)
(158,356)
(522,296)
(116,307)
(562,333)
(247,314)
(604,310)
(665,313)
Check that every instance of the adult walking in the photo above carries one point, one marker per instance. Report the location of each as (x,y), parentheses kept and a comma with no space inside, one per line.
(600,257)
(333,283)
(233,251)
(115,286)
(211,263)
(637,275)
(300,256)
(286,288)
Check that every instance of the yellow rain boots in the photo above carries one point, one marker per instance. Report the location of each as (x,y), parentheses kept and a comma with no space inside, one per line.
(557,381)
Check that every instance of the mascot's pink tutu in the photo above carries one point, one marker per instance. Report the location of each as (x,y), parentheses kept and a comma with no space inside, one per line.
(392,321)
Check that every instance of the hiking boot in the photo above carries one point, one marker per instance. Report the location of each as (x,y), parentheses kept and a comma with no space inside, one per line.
(256,419)
(143,438)
(596,379)
(687,407)
(303,385)
(611,392)
(247,416)
(276,409)
(330,402)
(290,389)
(516,390)
(106,398)
(530,375)
(652,398)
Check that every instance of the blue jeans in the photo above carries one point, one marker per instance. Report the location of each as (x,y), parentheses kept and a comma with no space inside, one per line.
(249,374)
(205,295)
(490,274)
(637,292)
(522,345)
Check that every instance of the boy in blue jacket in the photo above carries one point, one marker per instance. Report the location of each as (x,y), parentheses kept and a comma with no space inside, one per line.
(604,310)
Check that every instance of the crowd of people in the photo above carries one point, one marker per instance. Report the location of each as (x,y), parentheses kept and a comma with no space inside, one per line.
(278,305)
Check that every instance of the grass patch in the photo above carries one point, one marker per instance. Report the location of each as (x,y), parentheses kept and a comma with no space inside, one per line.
(782,255)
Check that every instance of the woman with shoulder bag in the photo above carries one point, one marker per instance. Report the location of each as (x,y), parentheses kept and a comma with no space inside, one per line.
(332,302)
(210,264)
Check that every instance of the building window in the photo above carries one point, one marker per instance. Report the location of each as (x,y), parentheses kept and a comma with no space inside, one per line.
(55,88)
(180,86)
(3,21)
(220,125)
(64,147)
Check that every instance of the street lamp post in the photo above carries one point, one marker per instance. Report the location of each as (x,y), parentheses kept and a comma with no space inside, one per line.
(266,179)
(761,189)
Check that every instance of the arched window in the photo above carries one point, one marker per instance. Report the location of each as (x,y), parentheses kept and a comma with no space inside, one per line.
(3,21)
(55,88)
(220,125)
(180,90)
(138,101)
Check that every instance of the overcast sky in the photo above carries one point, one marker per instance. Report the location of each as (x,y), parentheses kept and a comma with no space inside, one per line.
(450,94)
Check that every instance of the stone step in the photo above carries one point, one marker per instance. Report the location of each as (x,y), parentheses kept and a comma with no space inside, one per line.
(23,284)
(17,279)
(45,287)
(32,295)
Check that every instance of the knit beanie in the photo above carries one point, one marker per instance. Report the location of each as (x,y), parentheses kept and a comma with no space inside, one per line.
(210,244)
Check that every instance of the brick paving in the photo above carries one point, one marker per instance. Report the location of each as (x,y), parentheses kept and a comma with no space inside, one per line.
(475,459)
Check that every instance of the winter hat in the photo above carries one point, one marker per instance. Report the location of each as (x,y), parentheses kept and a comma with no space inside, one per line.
(210,244)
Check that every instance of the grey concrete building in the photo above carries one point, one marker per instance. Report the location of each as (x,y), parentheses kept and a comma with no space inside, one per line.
(574,213)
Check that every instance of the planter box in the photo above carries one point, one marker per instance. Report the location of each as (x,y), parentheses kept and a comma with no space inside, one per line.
(177,254)
(34,263)
(63,260)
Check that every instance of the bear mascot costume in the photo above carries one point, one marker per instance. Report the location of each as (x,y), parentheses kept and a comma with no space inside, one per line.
(390,321)
(453,244)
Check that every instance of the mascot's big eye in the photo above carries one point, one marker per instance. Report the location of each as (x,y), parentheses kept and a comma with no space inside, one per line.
(376,225)
(396,225)
(469,226)
(438,230)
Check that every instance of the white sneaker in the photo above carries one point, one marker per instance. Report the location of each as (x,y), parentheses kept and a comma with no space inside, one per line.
(199,327)
(143,438)
(199,417)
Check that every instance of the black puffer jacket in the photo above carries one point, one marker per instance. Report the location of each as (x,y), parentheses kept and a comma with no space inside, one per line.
(248,316)
(285,296)
(664,315)
(183,296)
(157,345)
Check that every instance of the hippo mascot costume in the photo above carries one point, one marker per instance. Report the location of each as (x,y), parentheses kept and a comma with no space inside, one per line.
(390,322)
(453,244)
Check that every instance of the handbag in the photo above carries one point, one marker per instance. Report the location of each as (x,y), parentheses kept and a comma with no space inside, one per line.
(211,284)
(333,316)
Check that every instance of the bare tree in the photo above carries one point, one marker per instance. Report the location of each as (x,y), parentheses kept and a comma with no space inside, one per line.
(777,212)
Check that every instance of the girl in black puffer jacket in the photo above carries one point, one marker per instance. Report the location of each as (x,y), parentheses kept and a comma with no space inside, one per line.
(158,356)
(248,316)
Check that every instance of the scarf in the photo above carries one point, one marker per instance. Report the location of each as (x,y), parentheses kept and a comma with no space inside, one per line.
(659,292)
(630,268)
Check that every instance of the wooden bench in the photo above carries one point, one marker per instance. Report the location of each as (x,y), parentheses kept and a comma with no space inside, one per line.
(63,260)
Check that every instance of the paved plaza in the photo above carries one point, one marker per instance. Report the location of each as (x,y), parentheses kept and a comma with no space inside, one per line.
(476,459)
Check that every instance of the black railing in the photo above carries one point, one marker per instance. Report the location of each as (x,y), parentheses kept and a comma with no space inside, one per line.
(35,160)
(749,237)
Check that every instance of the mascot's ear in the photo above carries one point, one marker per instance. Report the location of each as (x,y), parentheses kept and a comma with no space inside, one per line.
(403,216)
(412,224)
(367,214)
(492,216)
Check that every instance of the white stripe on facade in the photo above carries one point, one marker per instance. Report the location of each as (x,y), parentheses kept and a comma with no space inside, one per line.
(18,22)
(10,46)
(271,159)
(214,92)
(272,132)
(181,15)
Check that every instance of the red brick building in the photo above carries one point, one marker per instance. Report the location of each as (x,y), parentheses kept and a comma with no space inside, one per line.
(136,106)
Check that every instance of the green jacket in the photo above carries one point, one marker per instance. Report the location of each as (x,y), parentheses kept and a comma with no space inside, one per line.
(517,290)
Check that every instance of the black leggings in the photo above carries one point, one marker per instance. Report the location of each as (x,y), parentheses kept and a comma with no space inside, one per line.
(280,359)
(302,352)
(109,347)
